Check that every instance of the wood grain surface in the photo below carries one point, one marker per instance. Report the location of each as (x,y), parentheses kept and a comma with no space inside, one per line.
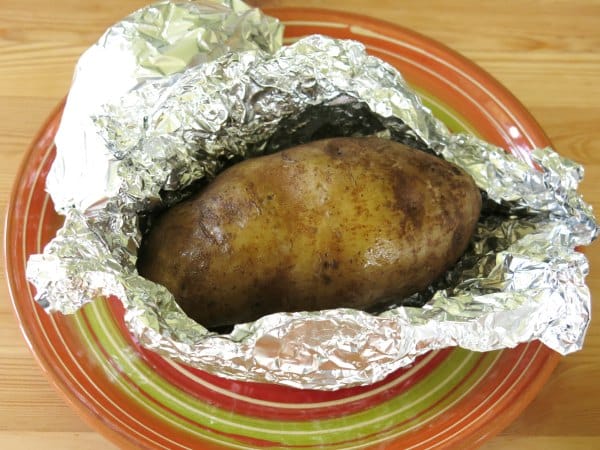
(545,52)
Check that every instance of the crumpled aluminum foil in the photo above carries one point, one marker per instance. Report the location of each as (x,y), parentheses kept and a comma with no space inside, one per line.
(194,85)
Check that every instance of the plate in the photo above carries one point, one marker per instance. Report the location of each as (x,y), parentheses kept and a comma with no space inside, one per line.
(447,398)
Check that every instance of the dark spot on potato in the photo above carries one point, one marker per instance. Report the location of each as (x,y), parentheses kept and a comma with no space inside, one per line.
(455,170)
(408,198)
(334,148)
(330,264)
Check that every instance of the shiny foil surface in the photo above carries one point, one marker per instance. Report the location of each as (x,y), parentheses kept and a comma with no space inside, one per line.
(194,86)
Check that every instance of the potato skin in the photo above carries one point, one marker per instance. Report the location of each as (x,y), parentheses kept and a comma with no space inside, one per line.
(343,222)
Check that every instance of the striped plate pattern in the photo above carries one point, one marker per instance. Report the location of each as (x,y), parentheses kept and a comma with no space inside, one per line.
(447,398)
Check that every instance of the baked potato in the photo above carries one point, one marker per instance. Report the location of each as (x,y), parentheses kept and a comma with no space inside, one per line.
(342,222)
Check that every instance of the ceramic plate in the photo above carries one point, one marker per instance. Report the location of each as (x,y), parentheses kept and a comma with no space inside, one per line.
(447,398)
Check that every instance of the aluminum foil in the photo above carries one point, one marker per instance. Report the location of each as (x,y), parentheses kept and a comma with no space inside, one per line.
(193,86)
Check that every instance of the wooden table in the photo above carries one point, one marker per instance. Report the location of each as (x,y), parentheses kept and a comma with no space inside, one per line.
(545,52)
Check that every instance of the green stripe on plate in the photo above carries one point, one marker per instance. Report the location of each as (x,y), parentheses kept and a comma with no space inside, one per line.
(451,119)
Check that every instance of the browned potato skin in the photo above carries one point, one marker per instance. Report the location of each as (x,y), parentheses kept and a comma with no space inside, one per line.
(344,222)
